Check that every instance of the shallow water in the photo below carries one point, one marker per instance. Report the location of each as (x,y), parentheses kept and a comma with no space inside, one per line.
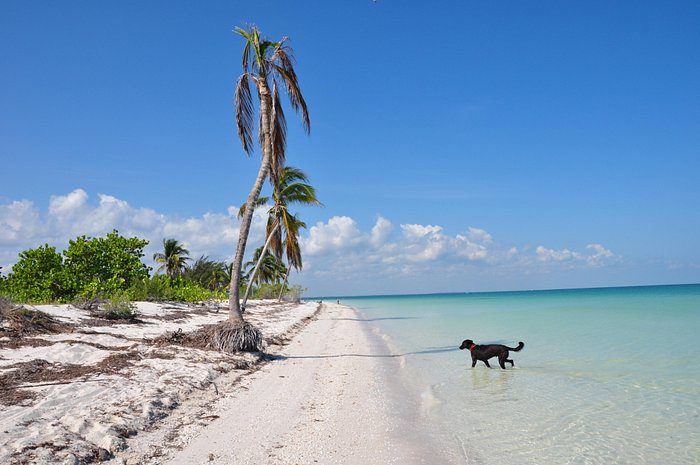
(607,376)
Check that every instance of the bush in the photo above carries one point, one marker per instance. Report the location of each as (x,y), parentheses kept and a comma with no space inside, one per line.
(119,307)
(163,288)
(104,265)
(38,276)
(89,267)
(272,291)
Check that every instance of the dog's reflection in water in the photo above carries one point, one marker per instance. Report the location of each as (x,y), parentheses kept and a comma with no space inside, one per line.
(494,381)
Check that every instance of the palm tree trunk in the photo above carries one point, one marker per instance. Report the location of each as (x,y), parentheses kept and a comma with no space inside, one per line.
(257,266)
(284,283)
(234,304)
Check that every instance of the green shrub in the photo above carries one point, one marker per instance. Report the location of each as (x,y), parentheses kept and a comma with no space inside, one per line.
(104,265)
(38,276)
(119,307)
(89,267)
(163,288)
(272,291)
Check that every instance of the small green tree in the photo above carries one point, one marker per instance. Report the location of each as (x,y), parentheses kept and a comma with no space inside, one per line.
(38,276)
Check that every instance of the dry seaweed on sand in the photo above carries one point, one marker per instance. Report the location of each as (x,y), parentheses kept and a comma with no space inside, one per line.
(40,372)
(18,321)
(194,339)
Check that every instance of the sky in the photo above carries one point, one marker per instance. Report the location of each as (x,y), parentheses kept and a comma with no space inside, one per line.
(457,146)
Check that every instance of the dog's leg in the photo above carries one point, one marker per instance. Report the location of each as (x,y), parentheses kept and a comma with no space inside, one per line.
(510,361)
(486,362)
(473,362)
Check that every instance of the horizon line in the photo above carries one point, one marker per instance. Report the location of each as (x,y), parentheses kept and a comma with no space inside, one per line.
(420,294)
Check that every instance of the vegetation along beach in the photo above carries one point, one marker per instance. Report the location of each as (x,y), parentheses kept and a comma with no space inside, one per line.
(353,233)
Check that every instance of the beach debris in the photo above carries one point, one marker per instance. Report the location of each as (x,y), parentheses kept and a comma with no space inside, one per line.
(18,321)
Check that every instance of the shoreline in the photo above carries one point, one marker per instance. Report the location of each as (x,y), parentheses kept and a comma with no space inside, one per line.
(324,399)
(329,389)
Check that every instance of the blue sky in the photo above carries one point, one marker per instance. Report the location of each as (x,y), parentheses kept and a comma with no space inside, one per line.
(545,124)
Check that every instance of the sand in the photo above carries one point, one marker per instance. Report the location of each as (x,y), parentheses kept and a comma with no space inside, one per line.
(325,400)
(322,395)
(86,394)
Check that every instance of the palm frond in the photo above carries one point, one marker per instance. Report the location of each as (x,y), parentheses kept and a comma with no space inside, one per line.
(279,133)
(259,202)
(283,66)
(244,113)
(293,225)
(246,52)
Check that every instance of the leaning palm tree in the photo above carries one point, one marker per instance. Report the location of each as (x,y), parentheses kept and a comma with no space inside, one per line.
(292,187)
(266,65)
(173,259)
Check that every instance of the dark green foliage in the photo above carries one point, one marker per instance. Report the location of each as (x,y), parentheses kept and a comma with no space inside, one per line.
(93,270)
(160,288)
(38,276)
(209,274)
(104,265)
(89,267)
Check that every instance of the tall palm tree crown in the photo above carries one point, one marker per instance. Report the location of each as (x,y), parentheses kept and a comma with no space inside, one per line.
(267,65)
(173,259)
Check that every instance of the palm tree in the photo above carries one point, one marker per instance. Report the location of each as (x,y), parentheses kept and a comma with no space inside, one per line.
(173,259)
(208,273)
(267,64)
(282,227)
(271,269)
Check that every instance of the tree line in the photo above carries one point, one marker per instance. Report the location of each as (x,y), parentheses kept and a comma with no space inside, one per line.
(112,267)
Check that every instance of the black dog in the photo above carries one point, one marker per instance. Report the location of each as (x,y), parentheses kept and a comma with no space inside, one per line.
(484,353)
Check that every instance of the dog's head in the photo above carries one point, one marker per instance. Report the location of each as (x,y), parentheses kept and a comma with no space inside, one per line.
(467,343)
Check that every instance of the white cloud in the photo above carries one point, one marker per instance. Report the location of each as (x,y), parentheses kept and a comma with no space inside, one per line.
(23,226)
(335,251)
(597,256)
(339,233)
(381,231)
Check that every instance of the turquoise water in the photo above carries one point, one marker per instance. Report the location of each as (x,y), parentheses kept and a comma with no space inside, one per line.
(607,376)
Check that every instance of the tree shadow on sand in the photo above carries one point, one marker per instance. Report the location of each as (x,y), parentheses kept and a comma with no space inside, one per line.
(428,351)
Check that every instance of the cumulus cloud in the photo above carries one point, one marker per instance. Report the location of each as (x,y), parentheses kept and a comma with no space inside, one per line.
(22,225)
(597,255)
(337,250)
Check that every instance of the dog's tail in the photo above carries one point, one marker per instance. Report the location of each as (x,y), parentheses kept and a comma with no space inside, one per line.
(521,344)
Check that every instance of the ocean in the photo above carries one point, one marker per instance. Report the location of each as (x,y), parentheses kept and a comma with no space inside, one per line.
(607,376)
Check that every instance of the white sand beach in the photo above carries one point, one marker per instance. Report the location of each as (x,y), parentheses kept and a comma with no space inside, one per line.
(322,397)
(324,401)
